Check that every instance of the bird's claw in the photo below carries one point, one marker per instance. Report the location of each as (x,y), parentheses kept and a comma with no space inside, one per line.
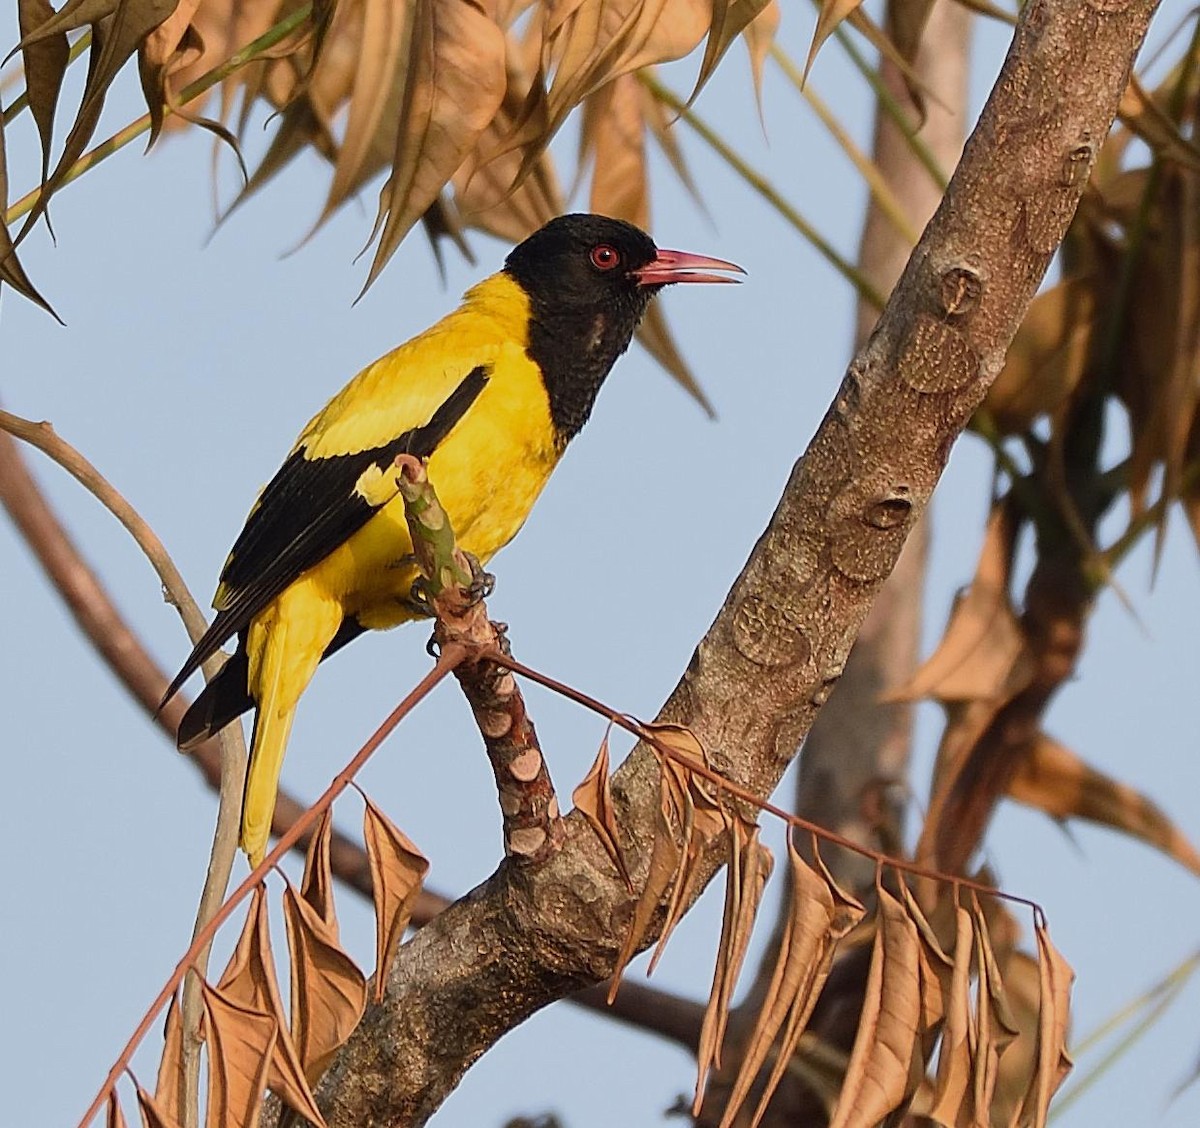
(481,584)
(502,642)
(419,599)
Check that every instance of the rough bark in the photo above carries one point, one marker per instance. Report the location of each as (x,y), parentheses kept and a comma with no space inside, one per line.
(769,662)
(859,745)
(857,754)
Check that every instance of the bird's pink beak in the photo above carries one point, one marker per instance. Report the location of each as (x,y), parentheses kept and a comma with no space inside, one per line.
(680,266)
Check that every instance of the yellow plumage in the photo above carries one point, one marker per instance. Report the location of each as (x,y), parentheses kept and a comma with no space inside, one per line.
(488,473)
(490,396)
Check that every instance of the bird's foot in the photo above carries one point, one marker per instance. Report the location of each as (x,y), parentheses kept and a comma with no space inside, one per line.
(482,583)
(502,642)
(419,601)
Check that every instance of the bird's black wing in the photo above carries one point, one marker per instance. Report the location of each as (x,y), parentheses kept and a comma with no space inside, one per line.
(306,511)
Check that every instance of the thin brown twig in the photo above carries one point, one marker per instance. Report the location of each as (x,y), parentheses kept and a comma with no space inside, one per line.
(123,653)
(232,746)
(647,734)
(449,658)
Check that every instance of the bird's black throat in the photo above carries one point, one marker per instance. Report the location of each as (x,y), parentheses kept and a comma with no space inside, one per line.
(582,312)
(575,350)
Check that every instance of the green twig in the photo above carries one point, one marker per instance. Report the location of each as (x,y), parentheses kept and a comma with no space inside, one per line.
(881,191)
(894,110)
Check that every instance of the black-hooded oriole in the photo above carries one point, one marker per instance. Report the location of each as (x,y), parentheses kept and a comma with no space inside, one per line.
(491,395)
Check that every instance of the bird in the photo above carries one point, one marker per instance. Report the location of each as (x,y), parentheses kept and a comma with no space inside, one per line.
(490,396)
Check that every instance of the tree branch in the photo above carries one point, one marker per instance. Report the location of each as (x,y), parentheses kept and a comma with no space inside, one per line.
(122,652)
(859,745)
(770,660)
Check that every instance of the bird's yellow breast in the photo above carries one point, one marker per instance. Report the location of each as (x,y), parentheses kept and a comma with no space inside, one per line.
(488,471)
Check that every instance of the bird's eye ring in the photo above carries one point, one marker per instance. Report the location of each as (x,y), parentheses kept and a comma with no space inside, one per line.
(605,257)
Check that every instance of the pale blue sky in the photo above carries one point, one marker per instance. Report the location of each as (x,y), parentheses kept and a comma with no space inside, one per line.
(184,372)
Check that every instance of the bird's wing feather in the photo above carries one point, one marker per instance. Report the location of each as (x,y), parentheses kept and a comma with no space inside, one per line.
(311,507)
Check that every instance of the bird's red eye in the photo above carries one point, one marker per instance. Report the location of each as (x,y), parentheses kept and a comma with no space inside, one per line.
(605,257)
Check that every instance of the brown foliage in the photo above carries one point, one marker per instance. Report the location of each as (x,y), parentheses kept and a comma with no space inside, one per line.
(447,97)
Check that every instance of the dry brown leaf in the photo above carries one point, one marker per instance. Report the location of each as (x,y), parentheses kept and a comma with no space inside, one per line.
(156,75)
(152,1113)
(12,273)
(316,886)
(1018,1063)
(240,1043)
(397,870)
(454,83)
(760,36)
(1053,1062)
(936,968)
(114,1117)
(952,1089)
(687,804)
(587,43)
(119,27)
(660,877)
(299,128)
(329,993)
(70,17)
(877,1077)
(165,39)
(45,64)
(1178,404)
(729,19)
(486,188)
(441,223)
(576,37)
(1160,349)
(593,799)
(995,1024)
(1049,356)
(378,69)
(819,915)
(612,137)
(249,981)
(746,877)
(905,27)
(832,13)
(1052,778)
(678,740)
(168,1089)
(983,655)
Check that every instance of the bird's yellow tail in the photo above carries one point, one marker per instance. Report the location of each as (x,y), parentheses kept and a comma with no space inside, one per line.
(285,645)
(271,730)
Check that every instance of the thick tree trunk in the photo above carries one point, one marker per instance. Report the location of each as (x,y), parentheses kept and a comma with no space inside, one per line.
(772,657)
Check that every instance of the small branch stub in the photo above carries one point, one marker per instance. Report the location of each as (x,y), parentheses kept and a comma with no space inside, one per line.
(528,804)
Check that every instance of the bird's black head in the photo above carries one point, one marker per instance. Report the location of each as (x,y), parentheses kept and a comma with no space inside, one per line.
(589,279)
